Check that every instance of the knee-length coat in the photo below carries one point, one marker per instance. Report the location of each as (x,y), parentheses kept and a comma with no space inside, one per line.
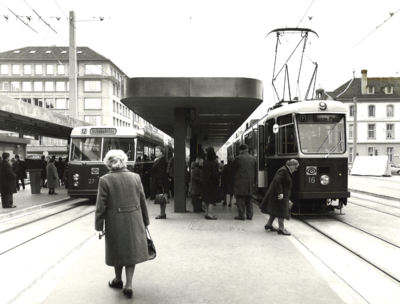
(210,192)
(7,178)
(159,175)
(121,205)
(281,184)
(52,176)
(228,178)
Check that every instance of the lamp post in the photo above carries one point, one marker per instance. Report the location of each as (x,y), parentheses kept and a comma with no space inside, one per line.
(355,129)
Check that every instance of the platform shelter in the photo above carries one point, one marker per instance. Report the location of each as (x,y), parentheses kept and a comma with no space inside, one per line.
(202,111)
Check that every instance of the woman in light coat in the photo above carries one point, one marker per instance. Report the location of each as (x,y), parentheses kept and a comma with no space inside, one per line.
(52,176)
(276,200)
(121,211)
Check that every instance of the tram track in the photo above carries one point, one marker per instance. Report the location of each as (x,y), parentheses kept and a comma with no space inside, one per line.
(395,277)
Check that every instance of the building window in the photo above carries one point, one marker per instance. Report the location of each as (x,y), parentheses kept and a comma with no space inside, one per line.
(4,69)
(27,69)
(351,130)
(94,120)
(388,90)
(93,69)
(49,69)
(60,69)
(49,86)
(370,151)
(390,111)
(26,86)
(351,111)
(38,102)
(27,100)
(15,86)
(350,155)
(371,111)
(60,86)
(390,131)
(113,105)
(49,102)
(371,131)
(15,69)
(92,86)
(38,69)
(370,90)
(38,86)
(93,103)
(4,86)
(389,152)
(62,103)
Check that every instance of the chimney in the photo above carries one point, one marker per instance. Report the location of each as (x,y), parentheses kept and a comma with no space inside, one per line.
(364,82)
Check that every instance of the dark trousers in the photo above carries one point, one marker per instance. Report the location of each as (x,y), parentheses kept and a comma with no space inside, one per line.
(196,202)
(22,183)
(244,205)
(6,200)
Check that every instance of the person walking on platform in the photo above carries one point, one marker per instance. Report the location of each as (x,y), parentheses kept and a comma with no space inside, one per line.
(171,175)
(196,181)
(14,167)
(7,182)
(21,174)
(245,167)
(52,176)
(121,212)
(44,172)
(159,183)
(227,179)
(210,188)
(276,200)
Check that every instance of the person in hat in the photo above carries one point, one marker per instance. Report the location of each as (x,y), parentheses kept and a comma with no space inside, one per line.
(245,167)
(7,182)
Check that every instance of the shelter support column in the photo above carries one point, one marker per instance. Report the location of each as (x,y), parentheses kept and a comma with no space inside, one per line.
(179,159)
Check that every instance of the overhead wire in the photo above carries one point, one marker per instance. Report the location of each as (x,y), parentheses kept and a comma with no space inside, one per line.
(391,15)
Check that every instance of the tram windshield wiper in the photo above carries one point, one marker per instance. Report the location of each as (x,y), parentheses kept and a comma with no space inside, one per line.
(339,143)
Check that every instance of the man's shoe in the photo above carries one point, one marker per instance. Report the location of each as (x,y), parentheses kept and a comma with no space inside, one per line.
(249,218)
(239,218)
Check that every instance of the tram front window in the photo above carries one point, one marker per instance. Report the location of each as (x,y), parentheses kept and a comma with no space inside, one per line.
(321,133)
(125,144)
(86,149)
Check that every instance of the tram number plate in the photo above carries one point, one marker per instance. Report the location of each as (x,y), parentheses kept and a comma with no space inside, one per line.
(91,181)
(311,179)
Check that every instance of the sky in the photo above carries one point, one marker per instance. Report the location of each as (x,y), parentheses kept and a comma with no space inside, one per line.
(219,38)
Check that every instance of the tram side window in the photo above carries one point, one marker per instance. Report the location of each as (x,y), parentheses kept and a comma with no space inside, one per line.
(86,149)
(125,144)
(269,138)
(146,155)
(287,135)
(139,150)
(261,164)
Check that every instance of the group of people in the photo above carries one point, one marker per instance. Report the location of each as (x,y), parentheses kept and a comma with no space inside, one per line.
(54,173)
(121,208)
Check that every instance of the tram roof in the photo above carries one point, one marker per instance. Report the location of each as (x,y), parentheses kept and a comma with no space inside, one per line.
(219,106)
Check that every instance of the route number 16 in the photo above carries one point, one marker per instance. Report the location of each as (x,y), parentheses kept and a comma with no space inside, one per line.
(311,179)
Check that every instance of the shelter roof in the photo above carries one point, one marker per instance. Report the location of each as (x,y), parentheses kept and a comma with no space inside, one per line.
(217,107)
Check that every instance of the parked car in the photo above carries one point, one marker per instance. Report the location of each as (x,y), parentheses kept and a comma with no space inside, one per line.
(395,169)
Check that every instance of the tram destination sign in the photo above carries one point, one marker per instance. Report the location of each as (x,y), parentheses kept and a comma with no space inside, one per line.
(103,131)
(327,118)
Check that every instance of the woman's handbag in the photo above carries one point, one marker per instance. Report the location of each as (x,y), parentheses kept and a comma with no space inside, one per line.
(150,246)
(161,198)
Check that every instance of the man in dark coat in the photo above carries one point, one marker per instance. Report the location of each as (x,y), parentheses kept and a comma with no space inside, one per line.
(7,182)
(245,167)
(21,173)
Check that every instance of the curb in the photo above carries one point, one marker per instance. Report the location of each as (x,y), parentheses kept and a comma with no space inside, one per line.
(17,213)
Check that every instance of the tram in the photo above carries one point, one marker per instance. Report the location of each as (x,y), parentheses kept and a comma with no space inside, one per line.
(314,133)
(89,146)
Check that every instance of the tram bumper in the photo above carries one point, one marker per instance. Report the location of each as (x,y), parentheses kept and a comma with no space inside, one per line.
(322,195)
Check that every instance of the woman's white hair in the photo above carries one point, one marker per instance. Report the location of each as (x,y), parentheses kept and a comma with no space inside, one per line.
(292,162)
(115,159)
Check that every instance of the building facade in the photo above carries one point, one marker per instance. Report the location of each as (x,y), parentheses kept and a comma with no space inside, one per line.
(40,76)
(375,103)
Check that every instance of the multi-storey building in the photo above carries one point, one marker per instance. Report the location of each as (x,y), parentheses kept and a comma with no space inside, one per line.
(376,104)
(40,76)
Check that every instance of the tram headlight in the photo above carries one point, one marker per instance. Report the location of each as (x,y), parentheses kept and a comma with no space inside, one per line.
(324,180)
(75,177)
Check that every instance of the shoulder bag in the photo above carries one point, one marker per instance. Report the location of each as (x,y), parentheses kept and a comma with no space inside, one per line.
(150,246)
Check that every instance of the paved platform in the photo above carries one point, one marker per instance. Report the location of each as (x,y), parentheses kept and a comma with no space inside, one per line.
(203,261)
